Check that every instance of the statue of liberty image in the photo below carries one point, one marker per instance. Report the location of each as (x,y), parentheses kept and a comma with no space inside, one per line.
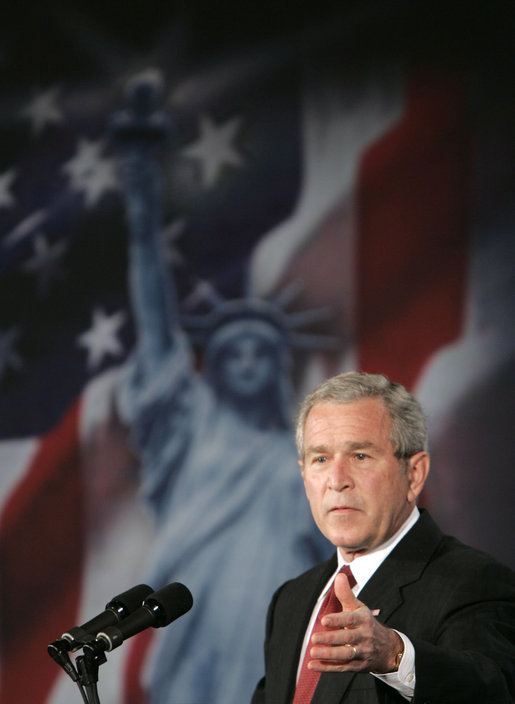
(218,461)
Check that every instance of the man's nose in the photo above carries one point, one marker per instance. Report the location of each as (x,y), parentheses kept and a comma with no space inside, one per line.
(340,476)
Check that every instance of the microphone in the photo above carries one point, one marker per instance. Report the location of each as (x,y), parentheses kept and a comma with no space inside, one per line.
(158,610)
(117,609)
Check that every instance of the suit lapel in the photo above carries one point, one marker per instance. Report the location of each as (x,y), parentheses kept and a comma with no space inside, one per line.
(403,566)
(292,629)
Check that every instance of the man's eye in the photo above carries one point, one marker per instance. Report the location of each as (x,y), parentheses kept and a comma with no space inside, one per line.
(321,459)
(361,456)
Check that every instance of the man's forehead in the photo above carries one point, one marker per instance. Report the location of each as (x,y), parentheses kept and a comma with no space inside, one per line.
(369,405)
(363,420)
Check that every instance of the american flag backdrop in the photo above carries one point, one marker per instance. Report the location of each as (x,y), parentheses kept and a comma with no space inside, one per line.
(364,153)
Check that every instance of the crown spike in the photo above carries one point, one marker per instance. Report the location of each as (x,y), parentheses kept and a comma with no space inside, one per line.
(308,317)
(288,294)
(204,292)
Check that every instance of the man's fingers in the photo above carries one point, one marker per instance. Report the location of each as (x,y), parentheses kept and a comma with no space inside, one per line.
(334,659)
(344,652)
(337,625)
(345,594)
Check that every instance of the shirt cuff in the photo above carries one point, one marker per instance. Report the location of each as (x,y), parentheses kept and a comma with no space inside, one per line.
(404,679)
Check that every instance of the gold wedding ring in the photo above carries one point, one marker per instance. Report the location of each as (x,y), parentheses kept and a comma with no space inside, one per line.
(355,655)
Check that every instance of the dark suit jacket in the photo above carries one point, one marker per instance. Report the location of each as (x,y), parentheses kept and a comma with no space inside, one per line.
(456,604)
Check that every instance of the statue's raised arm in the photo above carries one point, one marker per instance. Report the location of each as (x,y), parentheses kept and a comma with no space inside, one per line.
(139,131)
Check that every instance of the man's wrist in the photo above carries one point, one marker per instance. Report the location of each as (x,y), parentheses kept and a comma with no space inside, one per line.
(404,679)
(393,657)
(397,653)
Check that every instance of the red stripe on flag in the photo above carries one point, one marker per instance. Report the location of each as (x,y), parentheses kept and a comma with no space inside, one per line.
(413,216)
(41,554)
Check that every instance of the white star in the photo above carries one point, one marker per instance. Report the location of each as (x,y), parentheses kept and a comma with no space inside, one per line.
(91,173)
(101,339)
(8,356)
(45,262)
(7,199)
(214,148)
(43,110)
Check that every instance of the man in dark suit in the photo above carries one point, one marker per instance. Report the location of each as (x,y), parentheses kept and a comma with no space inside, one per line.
(420,617)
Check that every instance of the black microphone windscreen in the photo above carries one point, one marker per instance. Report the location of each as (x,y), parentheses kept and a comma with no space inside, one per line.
(169,603)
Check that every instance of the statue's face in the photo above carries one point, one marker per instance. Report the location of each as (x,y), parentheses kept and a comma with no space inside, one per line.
(248,366)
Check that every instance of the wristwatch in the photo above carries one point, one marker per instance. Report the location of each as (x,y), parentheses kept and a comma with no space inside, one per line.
(398,658)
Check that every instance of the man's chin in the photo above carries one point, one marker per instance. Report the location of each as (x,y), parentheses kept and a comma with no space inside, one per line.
(349,552)
(348,542)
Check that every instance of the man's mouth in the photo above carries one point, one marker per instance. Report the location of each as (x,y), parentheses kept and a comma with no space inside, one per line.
(344,510)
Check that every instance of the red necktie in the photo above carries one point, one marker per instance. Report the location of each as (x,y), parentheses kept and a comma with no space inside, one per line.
(308,679)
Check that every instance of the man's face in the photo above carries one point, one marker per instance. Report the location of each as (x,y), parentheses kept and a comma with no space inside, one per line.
(358,490)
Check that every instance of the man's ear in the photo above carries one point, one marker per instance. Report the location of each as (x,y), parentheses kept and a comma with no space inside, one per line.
(301,465)
(417,471)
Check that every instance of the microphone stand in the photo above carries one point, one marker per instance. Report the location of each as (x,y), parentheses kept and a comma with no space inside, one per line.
(82,692)
(87,666)
(84,672)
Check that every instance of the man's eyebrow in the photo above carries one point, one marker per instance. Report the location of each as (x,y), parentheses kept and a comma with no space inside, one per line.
(361,445)
(349,447)
(316,449)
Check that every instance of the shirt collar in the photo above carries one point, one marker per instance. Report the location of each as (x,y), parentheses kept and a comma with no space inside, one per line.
(364,566)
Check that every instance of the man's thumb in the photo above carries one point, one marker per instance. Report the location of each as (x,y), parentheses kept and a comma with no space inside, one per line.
(345,594)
